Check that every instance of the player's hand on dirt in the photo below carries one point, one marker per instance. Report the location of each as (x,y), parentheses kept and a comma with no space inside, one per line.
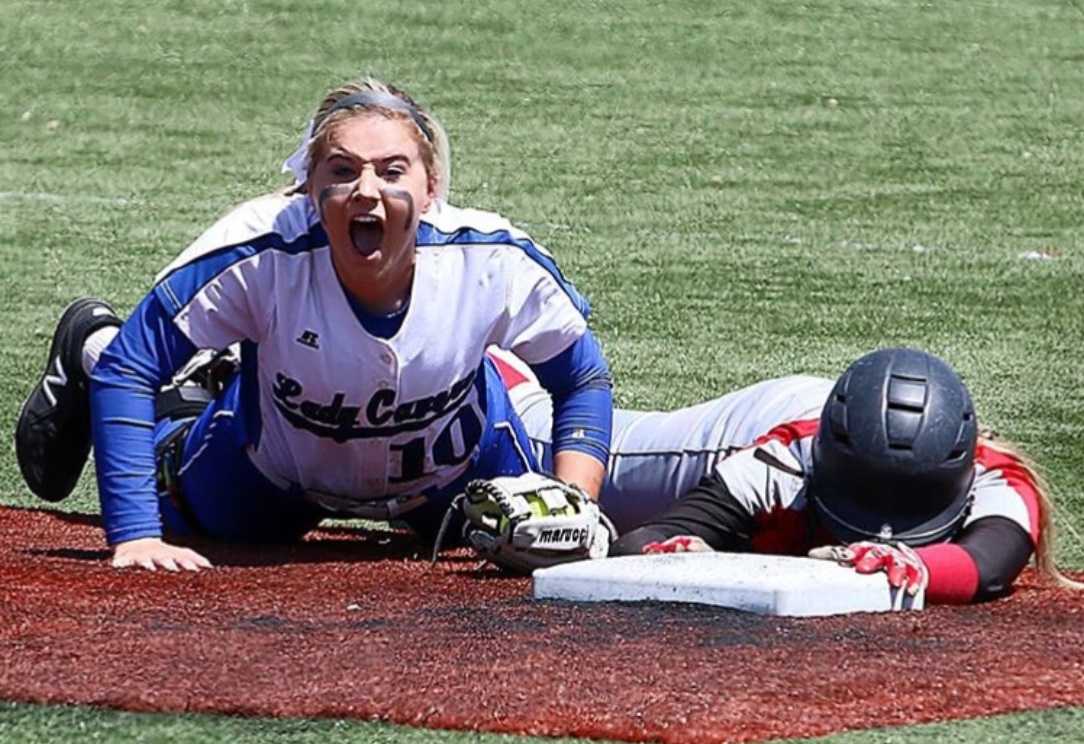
(903,566)
(678,544)
(152,553)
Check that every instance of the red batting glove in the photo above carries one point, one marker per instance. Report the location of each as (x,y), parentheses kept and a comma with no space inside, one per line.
(904,568)
(679,544)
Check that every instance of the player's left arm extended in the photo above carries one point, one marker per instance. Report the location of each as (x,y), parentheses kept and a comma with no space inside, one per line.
(981,563)
(578,379)
(999,537)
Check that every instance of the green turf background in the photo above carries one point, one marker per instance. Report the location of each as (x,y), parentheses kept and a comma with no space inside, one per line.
(742,191)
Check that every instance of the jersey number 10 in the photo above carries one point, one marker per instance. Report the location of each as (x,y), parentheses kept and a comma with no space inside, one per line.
(451,447)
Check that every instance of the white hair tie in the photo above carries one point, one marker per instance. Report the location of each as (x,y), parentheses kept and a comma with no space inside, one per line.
(298,162)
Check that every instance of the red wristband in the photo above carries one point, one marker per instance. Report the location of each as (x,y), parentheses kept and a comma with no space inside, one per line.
(954,577)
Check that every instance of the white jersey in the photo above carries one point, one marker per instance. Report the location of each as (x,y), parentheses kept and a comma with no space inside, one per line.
(335,409)
(657,457)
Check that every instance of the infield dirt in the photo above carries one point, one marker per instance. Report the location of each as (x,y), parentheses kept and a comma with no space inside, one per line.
(357,624)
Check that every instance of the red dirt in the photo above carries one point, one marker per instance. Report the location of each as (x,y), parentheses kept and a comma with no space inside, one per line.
(355,624)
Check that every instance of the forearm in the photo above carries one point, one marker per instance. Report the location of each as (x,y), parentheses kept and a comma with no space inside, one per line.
(582,423)
(122,415)
(579,384)
(123,388)
(708,511)
(980,564)
(582,470)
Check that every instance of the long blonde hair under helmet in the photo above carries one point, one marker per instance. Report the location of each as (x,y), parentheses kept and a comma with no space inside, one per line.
(1044,550)
(371,95)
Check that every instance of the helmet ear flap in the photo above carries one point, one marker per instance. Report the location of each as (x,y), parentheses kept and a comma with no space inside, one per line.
(893,458)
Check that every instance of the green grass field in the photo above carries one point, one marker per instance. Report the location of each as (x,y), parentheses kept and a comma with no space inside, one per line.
(743,192)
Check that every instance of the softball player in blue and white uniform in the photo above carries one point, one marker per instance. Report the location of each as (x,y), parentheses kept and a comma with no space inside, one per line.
(362,303)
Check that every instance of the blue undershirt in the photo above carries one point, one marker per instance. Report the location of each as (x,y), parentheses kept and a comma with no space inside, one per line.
(579,382)
(381,326)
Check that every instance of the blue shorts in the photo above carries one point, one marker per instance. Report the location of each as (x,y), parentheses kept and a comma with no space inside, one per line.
(224,496)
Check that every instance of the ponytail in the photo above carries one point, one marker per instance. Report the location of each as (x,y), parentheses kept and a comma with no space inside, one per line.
(1045,564)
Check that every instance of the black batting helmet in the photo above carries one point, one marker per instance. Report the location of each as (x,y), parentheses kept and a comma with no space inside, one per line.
(893,459)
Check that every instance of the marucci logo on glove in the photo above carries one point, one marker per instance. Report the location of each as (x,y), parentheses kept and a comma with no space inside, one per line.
(530,521)
(566,536)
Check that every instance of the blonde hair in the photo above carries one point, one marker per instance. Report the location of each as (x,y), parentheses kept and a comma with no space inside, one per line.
(429,133)
(1044,550)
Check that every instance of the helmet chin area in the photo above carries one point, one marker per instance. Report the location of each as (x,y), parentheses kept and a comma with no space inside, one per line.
(878,527)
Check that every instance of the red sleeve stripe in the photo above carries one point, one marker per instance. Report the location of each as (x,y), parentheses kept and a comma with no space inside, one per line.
(954,577)
(790,432)
(508,373)
(1018,478)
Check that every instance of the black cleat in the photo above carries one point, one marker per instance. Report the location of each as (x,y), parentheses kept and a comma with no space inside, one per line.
(52,437)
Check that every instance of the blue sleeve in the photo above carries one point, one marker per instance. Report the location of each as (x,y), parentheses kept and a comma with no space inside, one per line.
(147,351)
(578,380)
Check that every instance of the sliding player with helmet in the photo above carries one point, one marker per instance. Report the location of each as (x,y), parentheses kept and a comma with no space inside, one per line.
(883,469)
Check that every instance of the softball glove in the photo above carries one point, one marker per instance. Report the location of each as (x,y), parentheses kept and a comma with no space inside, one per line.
(532,521)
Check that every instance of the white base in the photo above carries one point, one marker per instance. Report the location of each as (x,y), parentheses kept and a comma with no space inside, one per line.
(765,584)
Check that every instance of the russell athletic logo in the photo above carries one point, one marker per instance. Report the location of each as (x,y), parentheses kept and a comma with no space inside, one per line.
(310,339)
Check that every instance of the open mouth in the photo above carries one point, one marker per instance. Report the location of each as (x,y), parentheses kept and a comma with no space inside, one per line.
(366,233)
